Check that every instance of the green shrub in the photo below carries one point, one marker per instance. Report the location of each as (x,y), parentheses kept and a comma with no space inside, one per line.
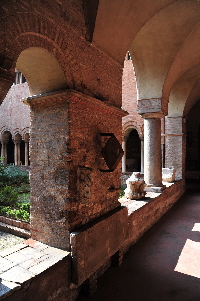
(23,188)
(18,214)
(15,175)
(23,206)
(121,194)
(8,196)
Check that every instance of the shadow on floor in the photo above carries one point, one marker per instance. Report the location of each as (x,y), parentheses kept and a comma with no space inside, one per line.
(164,265)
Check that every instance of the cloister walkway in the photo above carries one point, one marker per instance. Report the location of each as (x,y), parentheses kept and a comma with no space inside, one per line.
(164,265)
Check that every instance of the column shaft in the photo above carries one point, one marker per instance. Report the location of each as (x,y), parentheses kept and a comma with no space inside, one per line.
(124,156)
(152,152)
(17,152)
(26,153)
(142,156)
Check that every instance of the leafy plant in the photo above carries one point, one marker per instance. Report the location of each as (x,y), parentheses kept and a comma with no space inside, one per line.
(14,192)
(8,196)
(15,175)
(19,214)
(121,194)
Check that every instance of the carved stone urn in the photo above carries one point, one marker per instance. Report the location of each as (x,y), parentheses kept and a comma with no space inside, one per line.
(135,186)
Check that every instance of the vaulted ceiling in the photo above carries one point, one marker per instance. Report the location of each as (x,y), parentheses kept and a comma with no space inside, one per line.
(161,35)
(163,39)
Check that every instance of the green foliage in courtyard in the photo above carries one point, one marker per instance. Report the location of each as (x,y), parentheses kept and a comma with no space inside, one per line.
(8,196)
(16,213)
(12,175)
(14,192)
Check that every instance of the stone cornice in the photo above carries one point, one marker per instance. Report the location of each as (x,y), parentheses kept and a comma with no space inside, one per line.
(68,96)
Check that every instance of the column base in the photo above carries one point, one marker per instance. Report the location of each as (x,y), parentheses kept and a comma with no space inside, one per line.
(156,189)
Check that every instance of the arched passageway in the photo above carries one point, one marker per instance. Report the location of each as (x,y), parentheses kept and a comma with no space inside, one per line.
(10,151)
(133,152)
(193,143)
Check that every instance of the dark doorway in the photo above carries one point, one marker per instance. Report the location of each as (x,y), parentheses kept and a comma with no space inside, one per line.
(10,151)
(133,152)
(22,152)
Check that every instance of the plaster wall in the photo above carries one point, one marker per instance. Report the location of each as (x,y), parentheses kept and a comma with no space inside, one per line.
(14,114)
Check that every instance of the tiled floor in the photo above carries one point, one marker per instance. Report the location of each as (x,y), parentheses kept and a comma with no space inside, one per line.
(164,265)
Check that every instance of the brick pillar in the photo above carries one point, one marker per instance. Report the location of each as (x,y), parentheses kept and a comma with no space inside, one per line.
(152,152)
(68,187)
(175,145)
(124,156)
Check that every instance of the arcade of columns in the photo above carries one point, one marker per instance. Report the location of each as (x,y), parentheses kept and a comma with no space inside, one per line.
(74,69)
(17,149)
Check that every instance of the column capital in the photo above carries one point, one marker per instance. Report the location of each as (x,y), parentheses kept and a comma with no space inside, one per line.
(152,105)
(153,115)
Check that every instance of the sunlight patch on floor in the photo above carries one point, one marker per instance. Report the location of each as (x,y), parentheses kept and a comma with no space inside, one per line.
(189,260)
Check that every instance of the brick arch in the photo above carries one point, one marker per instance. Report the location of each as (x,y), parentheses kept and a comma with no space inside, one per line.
(5,129)
(26,30)
(128,126)
(17,131)
(25,131)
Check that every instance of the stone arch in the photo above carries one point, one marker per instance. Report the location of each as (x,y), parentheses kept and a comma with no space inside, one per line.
(128,126)
(42,71)
(25,30)
(4,130)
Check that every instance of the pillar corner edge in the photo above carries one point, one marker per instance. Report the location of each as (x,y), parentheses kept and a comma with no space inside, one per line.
(155,106)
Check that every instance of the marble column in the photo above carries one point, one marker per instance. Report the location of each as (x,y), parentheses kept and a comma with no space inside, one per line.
(142,156)
(152,152)
(4,151)
(17,152)
(26,152)
(4,142)
(124,156)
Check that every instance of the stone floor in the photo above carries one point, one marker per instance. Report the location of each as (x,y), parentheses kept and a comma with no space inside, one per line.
(7,240)
(164,265)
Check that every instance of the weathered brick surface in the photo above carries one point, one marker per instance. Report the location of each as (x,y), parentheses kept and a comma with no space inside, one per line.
(67,185)
(86,69)
(49,171)
(146,216)
(29,270)
(175,145)
(88,240)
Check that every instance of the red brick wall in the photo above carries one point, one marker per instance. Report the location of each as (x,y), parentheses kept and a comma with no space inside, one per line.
(129,100)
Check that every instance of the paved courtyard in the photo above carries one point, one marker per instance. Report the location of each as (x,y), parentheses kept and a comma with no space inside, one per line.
(8,240)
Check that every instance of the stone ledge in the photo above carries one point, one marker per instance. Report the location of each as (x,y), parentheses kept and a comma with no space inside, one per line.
(23,262)
(14,222)
(15,230)
(101,239)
